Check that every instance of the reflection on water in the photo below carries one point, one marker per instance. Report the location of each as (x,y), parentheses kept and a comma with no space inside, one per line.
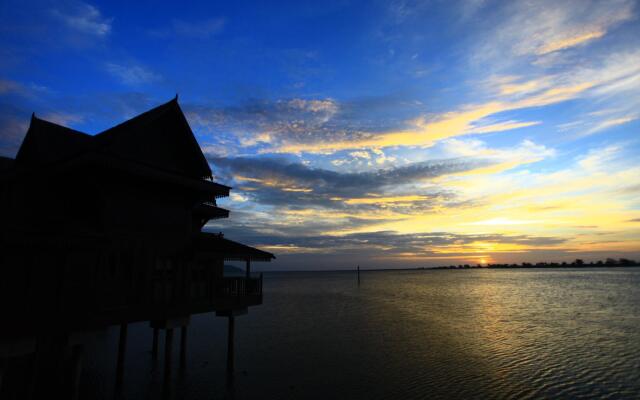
(418,334)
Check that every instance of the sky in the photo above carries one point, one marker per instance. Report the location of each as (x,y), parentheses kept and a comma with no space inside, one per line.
(383,134)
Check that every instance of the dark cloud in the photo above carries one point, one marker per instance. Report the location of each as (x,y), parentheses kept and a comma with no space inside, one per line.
(271,181)
(385,242)
(297,120)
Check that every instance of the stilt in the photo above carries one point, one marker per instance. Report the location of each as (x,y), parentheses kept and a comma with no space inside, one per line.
(33,379)
(122,350)
(154,345)
(3,368)
(183,346)
(230,371)
(168,347)
(76,370)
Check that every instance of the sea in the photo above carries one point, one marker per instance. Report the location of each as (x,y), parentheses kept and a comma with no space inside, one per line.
(419,334)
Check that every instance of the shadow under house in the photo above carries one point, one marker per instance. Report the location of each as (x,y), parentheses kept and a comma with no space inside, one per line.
(106,230)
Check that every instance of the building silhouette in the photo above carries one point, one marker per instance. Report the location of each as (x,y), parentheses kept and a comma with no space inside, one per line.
(106,230)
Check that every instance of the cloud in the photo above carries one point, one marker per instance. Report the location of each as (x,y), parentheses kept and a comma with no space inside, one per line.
(191,29)
(536,29)
(25,90)
(65,119)
(12,130)
(609,123)
(276,181)
(133,75)
(466,120)
(199,29)
(84,18)
(272,122)
(7,86)
(600,159)
(565,43)
(390,243)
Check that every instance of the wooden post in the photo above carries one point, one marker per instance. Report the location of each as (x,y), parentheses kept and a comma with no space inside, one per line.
(154,345)
(183,347)
(168,345)
(230,339)
(3,368)
(76,370)
(33,379)
(122,350)
(248,268)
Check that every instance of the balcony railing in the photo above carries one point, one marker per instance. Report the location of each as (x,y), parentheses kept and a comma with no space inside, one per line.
(239,286)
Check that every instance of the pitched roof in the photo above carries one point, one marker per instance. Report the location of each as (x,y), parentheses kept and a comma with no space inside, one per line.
(46,142)
(216,244)
(160,137)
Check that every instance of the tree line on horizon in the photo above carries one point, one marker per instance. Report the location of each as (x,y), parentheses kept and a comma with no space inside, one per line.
(578,263)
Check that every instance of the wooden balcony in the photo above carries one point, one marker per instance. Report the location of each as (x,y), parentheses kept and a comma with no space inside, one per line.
(168,299)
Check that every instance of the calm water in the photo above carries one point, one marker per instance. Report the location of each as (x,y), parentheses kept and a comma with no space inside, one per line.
(407,335)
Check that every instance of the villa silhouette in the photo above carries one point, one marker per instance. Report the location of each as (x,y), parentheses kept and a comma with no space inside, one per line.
(106,230)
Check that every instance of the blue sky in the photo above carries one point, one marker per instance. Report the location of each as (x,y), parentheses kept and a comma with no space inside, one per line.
(390,133)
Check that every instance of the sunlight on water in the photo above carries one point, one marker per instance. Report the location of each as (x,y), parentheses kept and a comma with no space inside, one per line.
(419,334)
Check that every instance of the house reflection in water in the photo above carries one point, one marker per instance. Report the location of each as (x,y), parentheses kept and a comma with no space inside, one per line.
(106,230)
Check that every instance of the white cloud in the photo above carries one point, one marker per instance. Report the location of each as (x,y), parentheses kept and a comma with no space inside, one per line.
(132,74)
(608,123)
(525,152)
(541,28)
(317,106)
(26,90)
(600,159)
(199,29)
(64,119)
(7,86)
(360,154)
(85,18)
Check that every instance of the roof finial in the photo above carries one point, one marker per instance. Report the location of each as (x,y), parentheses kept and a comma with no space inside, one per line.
(33,115)
(176,98)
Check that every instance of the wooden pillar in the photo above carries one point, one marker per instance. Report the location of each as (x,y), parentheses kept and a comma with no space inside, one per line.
(33,379)
(122,350)
(230,339)
(168,347)
(183,346)
(154,345)
(3,368)
(248,268)
(77,353)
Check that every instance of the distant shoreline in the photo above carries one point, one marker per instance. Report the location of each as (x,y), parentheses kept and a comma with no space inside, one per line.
(475,267)
(609,263)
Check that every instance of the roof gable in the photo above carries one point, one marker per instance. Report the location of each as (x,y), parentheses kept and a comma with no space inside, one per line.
(46,142)
(160,137)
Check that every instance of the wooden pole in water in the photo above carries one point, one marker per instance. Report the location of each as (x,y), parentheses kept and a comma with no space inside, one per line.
(230,348)
(122,350)
(183,346)
(76,370)
(168,346)
(154,346)
(3,367)
(358,275)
